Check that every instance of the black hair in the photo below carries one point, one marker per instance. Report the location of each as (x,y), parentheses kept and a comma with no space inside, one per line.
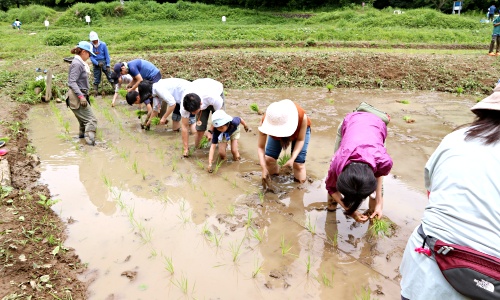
(145,88)
(132,97)
(191,102)
(486,126)
(356,182)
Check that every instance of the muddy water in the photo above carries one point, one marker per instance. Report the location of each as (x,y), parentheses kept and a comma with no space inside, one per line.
(133,205)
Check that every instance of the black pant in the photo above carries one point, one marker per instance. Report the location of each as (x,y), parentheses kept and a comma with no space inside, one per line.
(494,38)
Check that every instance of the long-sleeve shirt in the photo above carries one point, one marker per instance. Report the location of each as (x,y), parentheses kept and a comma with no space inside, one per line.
(78,78)
(363,137)
(101,54)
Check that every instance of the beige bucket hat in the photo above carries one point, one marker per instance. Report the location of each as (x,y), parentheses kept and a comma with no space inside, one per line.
(282,119)
(492,102)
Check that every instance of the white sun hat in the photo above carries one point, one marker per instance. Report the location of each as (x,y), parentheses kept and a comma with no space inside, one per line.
(492,102)
(282,119)
(220,118)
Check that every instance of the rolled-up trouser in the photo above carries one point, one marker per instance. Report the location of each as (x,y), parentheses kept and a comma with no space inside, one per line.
(86,118)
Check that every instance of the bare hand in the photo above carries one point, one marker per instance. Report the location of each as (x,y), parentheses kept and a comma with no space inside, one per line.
(359,217)
(83,102)
(377,212)
(163,122)
(209,169)
(246,128)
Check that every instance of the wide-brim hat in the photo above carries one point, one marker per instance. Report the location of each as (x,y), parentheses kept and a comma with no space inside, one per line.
(492,102)
(220,118)
(86,46)
(281,120)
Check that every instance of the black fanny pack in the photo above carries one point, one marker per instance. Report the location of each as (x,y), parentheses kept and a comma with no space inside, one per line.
(470,272)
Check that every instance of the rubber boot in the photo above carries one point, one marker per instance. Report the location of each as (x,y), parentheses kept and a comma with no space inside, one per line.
(90,138)
(81,133)
(96,90)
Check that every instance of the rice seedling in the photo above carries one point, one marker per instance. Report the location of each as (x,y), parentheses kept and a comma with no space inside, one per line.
(459,90)
(99,135)
(403,101)
(124,154)
(159,152)
(206,232)
(106,181)
(334,240)
(331,101)
(218,164)
(153,253)
(15,128)
(325,279)
(5,139)
(200,164)
(143,174)
(140,113)
(174,163)
(210,202)
(185,218)
(135,166)
(169,266)
(66,127)
(217,239)
(233,184)
(255,108)
(257,235)
(408,119)
(261,196)
(365,294)
(182,284)
(231,209)
(204,143)
(235,248)
(155,121)
(308,264)
(257,268)
(310,226)
(380,227)
(249,218)
(282,160)
(285,247)
(329,87)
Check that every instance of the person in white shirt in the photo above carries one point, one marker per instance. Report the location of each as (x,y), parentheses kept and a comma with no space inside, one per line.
(206,95)
(123,79)
(169,91)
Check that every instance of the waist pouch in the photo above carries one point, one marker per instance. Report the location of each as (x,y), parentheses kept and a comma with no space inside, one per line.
(470,272)
(365,107)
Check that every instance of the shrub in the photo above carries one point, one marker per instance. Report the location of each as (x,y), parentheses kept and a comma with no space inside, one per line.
(76,15)
(29,14)
(61,37)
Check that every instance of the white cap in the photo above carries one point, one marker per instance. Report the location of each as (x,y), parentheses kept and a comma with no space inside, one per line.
(220,118)
(93,36)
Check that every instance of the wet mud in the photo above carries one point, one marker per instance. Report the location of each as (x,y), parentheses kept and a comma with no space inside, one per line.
(152,225)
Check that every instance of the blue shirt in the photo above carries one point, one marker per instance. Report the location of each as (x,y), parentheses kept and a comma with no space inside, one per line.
(233,125)
(140,66)
(101,54)
(492,9)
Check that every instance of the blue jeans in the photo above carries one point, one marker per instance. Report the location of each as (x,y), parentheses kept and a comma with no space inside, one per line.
(105,70)
(273,148)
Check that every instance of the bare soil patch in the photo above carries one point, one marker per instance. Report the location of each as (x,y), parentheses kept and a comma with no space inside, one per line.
(34,264)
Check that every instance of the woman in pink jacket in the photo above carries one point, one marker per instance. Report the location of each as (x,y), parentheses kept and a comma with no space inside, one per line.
(358,165)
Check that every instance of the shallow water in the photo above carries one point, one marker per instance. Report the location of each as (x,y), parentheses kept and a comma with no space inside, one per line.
(133,204)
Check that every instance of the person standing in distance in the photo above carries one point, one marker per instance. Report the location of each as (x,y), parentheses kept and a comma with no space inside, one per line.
(101,61)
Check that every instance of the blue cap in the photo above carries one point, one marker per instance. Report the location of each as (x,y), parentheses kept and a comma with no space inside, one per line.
(85,46)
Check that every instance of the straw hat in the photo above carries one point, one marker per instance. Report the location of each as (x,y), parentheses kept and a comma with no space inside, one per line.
(282,119)
(220,118)
(492,102)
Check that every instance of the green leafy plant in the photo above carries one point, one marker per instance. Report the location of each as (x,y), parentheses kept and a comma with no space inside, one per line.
(204,143)
(285,247)
(380,227)
(257,268)
(169,266)
(408,119)
(459,90)
(283,159)
(155,121)
(329,87)
(255,108)
(46,202)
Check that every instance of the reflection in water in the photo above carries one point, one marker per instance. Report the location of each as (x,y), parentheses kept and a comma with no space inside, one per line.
(137,204)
